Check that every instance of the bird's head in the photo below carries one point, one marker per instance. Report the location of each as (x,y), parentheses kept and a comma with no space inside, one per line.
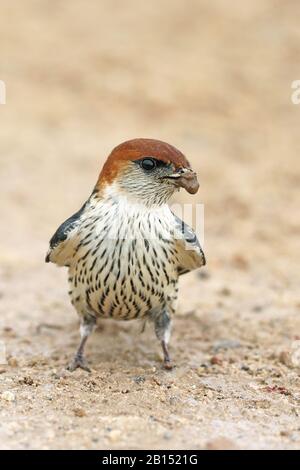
(147,170)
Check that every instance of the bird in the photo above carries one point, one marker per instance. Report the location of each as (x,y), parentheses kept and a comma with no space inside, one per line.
(125,249)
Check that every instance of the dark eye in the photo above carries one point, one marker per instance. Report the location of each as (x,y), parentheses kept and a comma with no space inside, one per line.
(148,164)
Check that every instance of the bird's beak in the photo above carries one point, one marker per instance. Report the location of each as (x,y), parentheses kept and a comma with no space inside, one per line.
(185,178)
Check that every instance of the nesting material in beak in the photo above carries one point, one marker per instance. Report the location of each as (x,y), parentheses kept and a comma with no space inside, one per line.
(187,179)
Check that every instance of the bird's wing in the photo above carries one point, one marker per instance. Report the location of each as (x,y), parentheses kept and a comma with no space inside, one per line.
(190,253)
(64,241)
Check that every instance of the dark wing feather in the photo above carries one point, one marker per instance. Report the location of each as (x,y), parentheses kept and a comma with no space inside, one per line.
(62,236)
(191,255)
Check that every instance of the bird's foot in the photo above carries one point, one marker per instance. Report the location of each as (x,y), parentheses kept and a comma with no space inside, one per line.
(168,365)
(78,363)
(167,360)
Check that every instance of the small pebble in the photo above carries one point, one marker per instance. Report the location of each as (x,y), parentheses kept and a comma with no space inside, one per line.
(79,412)
(286,359)
(225,291)
(9,331)
(215,360)
(257,308)
(26,381)
(13,362)
(8,396)
(139,379)
(114,435)
(156,381)
(240,262)
(203,274)
(221,443)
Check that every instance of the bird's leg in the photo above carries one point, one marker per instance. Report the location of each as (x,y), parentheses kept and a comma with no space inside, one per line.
(86,328)
(162,325)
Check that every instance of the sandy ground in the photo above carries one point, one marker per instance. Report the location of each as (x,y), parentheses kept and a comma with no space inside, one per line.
(213,78)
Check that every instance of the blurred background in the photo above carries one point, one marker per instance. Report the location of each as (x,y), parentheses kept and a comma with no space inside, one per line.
(211,77)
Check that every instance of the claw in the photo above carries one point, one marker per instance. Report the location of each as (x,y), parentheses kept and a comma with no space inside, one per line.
(168,364)
(78,363)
